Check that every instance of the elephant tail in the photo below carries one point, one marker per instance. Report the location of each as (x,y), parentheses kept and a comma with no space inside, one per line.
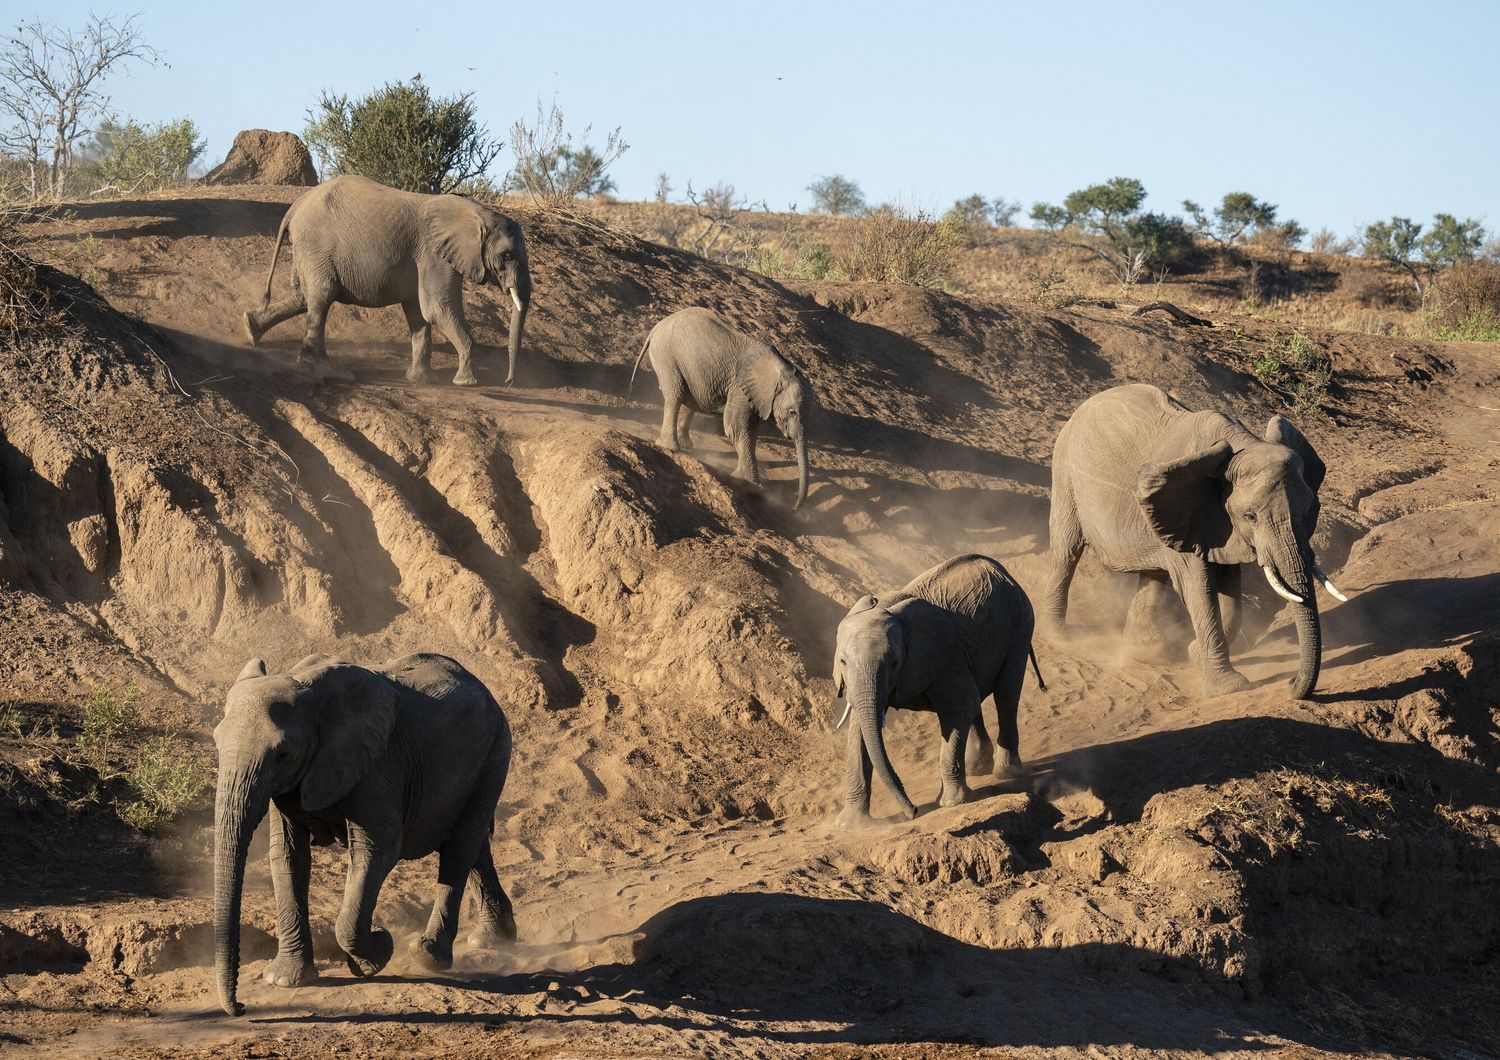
(638,359)
(265,299)
(1031,651)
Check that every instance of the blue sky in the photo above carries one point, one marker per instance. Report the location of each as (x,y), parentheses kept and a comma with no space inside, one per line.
(1341,113)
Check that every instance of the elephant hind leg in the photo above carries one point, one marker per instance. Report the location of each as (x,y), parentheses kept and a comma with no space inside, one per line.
(1065,534)
(421,343)
(464,851)
(672,407)
(259,321)
(1007,693)
(685,428)
(1147,617)
(495,916)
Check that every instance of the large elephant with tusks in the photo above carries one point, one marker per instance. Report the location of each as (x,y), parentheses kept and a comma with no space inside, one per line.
(358,242)
(1184,498)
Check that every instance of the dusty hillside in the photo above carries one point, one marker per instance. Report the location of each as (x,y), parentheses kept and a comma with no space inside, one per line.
(1175,875)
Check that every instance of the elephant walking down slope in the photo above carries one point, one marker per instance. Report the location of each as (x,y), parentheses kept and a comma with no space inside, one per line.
(1186,497)
(954,635)
(704,365)
(393,763)
(358,242)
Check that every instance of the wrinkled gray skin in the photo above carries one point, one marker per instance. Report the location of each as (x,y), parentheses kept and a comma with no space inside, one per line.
(704,365)
(392,763)
(358,242)
(1184,498)
(954,635)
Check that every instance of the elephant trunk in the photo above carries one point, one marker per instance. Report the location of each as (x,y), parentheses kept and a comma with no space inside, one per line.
(800,441)
(1294,564)
(864,695)
(240,803)
(520,301)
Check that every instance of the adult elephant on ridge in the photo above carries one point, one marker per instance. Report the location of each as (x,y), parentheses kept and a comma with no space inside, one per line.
(1186,497)
(704,365)
(358,242)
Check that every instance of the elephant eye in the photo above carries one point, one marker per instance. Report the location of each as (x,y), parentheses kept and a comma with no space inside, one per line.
(1249,515)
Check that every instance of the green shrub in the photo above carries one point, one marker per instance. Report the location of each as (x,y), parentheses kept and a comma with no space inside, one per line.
(402,136)
(1297,370)
(165,779)
(109,718)
(135,157)
(1106,220)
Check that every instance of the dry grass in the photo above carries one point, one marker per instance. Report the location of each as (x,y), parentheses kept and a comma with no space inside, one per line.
(894,245)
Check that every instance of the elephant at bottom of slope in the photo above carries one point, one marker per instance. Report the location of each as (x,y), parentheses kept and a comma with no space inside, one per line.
(704,365)
(954,635)
(394,763)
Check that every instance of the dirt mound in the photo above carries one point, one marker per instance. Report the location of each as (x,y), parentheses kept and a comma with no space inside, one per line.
(174,503)
(259,156)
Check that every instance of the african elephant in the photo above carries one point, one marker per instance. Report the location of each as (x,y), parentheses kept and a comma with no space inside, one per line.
(1187,497)
(954,635)
(392,763)
(358,242)
(704,365)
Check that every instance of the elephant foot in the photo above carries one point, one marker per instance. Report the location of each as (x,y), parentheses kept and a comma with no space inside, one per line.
(1222,684)
(432,954)
(374,955)
(1008,765)
(854,817)
(465,377)
(289,970)
(979,762)
(419,374)
(252,332)
(955,795)
(488,936)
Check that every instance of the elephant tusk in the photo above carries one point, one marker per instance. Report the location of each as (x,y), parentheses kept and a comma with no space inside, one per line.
(1280,587)
(515,299)
(843,719)
(1333,590)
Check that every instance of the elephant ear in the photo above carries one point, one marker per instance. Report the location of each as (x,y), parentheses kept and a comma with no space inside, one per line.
(864,603)
(456,229)
(1279,431)
(354,712)
(253,668)
(1184,500)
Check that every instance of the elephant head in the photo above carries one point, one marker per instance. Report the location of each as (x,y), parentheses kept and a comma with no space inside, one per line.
(310,734)
(780,393)
(878,652)
(1253,502)
(484,246)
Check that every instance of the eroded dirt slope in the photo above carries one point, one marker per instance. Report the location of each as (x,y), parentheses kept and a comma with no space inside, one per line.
(1175,875)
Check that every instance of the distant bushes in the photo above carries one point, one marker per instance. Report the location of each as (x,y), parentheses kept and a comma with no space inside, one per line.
(836,195)
(895,245)
(133,157)
(1469,303)
(403,136)
(1108,221)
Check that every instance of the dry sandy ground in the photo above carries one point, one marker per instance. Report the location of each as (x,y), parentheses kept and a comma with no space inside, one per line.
(1175,876)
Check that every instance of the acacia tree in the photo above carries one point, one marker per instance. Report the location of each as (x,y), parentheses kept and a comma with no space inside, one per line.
(1400,242)
(836,195)
(52,90)
(1107,221)
(1234,220)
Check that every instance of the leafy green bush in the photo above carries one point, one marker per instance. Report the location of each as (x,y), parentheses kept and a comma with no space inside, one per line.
(109,718)
(146,157)
(165,779)
(1107,220)
(402,136)
(1297,370)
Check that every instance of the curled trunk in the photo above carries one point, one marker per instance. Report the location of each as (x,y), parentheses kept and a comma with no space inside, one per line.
(238,808)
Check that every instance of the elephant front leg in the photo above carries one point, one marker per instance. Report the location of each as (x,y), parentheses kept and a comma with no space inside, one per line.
(447,312)
(291,867)
(857,772)
(1231,609)
(1193,581)
(955,724)
(371,859)
(741,428)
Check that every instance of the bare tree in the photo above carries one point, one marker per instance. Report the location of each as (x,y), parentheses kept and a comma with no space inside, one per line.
(550,169)
(52,90)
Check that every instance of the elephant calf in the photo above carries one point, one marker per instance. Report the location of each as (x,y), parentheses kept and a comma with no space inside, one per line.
(954,635)
(361,243)
(704,365)
(392,763)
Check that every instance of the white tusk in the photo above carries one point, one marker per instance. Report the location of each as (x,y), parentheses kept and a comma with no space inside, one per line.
(1280,587)
(515,299)
(1333,590)
(843,719)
